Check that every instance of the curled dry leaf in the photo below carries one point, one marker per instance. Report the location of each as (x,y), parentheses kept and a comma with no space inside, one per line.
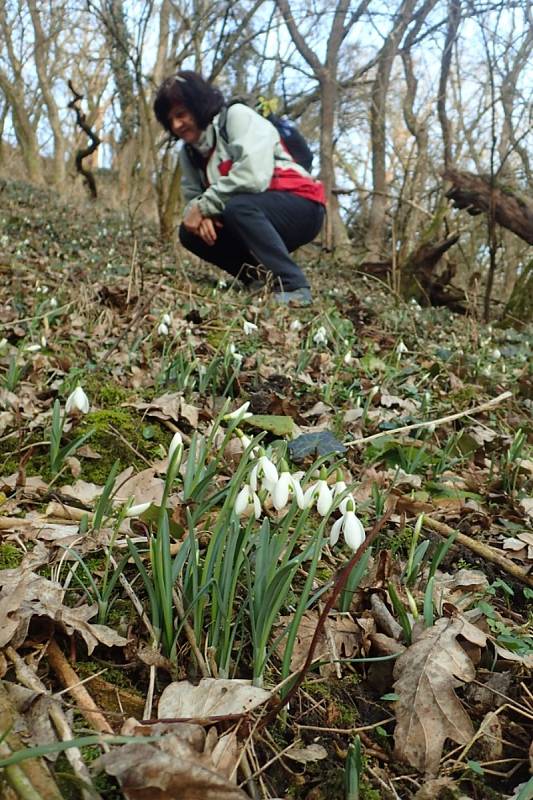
(186,764)
(341,633)
(24,594)
(428,711)
(211,698)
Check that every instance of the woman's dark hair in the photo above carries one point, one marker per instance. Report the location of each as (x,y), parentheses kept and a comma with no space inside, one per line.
(188,89)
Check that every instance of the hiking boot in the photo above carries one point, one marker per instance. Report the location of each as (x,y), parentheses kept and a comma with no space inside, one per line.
(298,297)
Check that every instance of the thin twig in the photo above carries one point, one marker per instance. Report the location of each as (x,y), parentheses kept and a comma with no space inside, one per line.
(347,730)
(435,422)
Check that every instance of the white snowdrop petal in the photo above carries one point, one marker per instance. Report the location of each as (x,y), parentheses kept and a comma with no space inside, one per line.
(253,479)
(325,499)
(269,469)
(77,401)
(257,506)
(239,413)
(309,495)
(280,492)
(175,442)
(242,500)
(249,327)
(354,533)
(136,511)
(335,531)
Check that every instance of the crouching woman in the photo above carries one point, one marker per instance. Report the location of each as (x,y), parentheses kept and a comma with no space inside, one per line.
(249,204)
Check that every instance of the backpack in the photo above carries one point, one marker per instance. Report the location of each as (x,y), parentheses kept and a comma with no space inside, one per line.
(292,139)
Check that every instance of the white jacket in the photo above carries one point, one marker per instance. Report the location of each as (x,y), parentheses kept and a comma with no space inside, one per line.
(252,160)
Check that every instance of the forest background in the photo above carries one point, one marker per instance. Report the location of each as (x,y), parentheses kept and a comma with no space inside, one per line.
(391,97)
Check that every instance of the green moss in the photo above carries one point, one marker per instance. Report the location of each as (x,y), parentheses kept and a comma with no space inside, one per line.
(112,428)
(337,693)
(117,677)
(70,785)
(10,556)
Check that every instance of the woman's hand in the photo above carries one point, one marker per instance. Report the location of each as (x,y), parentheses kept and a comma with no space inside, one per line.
(193,219)
(204,227)
(207,231)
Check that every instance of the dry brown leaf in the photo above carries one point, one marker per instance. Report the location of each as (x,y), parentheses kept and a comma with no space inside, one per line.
(428,711)
(24,594)
(183,765)
(304,755)
(83,491)
(144,487)
(349,637)
(210,698)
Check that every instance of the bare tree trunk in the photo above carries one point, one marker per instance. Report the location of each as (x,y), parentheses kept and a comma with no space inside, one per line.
(375,238)
(454,18)
(326,75)
(42,44)
(24,131)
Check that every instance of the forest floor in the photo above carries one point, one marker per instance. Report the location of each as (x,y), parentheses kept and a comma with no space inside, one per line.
(416,672)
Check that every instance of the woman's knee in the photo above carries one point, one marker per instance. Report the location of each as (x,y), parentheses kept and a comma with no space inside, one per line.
(189,240)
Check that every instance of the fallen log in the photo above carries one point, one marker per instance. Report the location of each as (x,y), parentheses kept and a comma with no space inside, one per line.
(476,195)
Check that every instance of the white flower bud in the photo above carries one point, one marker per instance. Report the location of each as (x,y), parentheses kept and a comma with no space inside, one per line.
(77,401)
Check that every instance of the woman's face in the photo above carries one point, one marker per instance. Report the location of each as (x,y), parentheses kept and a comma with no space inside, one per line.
(182,124)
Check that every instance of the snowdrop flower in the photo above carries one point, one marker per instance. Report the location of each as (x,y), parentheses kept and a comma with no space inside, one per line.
(234,352)
(287,485)
(53,302)
(175,442)
(136,511)
(222,283)
(3,343)
(348,358)
(495,354)
(162,329)
(266,471)
(77,401)
(249,327)
(321,492)
(239,413)
(351,527)
(295,325)
(166,319)
(321,336)
(401,348)
(32,348)
(247,501)
(246,441)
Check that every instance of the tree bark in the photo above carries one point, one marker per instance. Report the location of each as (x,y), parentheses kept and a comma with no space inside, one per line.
(42,43)
(326,75)
(375,238)
(475,194)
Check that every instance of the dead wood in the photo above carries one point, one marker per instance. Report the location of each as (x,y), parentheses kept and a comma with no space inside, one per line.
(70,679)
(419,277)
(483,550)
(30,778)
(81,120)
(476,195)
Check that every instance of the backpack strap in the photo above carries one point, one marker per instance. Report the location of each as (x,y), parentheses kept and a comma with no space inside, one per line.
(223,123)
